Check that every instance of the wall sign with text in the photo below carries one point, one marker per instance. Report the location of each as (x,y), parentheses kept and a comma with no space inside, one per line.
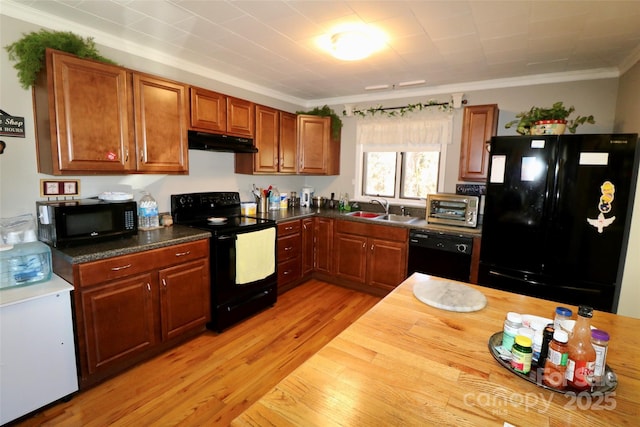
(11,125)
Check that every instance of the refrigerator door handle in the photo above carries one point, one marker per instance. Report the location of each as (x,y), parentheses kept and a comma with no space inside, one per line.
(546,285)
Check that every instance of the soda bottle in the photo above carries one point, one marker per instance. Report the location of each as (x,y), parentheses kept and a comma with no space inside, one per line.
(582,356)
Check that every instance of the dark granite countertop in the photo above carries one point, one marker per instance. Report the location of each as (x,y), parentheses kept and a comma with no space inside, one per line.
(153,239)
(143,241)
(284,215)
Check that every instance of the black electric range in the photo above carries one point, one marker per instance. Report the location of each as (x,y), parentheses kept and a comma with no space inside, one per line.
(237,291)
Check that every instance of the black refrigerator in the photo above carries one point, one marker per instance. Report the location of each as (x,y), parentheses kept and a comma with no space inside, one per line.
(557,216)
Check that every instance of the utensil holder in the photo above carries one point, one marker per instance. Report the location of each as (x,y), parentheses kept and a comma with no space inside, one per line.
(262,204)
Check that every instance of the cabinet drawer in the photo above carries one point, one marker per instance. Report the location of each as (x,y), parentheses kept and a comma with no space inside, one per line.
(288,247)
(177,254)
(286,228)
(289,271)
(91,273)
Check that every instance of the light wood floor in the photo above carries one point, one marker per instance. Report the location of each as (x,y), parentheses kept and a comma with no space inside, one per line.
(213,378)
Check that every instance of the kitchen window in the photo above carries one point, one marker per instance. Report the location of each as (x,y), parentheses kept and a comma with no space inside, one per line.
(402,172)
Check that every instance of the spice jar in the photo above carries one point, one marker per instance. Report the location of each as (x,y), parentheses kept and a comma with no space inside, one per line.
(555,366)
(522,354)
(600,342)
(511,325)
(562,313)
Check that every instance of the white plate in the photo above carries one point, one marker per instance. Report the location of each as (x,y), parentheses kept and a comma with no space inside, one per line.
(216,220)
(111,196)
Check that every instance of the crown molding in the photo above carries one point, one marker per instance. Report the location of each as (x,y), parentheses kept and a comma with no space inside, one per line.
(530,80)
(630,61)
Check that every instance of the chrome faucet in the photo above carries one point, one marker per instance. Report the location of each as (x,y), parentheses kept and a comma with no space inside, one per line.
(382,202)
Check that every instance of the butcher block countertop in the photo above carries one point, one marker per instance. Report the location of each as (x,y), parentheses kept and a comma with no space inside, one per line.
(408,363)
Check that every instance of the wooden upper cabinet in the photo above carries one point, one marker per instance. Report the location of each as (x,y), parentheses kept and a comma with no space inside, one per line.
(288,146)
(266,140)
(318,153)
(82,115)
(479,124)
(275,139)
(240,117)
(161,125)
(95,118)
(208,110)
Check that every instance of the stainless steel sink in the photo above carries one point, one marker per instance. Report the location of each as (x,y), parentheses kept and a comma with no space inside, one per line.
(396,218)
(363,214)
(374,216)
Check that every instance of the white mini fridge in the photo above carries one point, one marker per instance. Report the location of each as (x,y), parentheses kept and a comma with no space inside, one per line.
(37,348)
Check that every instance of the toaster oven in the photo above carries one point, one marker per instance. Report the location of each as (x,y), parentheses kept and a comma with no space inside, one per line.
(452,209)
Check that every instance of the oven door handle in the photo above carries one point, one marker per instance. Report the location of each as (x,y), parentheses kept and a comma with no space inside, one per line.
(226,237)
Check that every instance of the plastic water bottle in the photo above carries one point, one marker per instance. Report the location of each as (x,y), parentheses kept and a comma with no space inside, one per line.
(148,212)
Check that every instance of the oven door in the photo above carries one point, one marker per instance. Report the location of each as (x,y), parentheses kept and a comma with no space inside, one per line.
(235,293)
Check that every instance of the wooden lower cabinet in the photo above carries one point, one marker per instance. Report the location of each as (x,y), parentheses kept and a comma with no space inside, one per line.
(180,312)
(323,245)
(289,255)
(130,307)
(308,245)
(370,255)
(119,321)
(304,251)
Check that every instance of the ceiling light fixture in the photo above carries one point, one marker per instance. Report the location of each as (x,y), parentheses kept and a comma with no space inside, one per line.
(352,42)
(351,45)
(412,83)
(376,87)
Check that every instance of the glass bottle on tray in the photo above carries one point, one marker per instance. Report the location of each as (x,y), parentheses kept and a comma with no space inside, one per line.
(582,356)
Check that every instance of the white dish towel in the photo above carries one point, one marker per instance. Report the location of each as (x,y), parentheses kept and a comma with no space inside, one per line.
(255,255)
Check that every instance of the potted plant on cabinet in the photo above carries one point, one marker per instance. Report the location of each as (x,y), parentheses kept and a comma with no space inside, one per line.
(336,122)
(29,51)
(548,121)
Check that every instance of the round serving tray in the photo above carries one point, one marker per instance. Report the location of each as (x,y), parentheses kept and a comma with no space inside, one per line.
(608,385)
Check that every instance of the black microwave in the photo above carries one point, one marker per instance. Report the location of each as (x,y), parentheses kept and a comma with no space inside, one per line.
(75,222)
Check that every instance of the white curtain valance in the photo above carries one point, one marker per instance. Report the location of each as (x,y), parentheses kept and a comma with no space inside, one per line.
(417,130)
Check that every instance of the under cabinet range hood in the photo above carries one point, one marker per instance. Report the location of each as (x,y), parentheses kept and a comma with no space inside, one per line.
(216,142)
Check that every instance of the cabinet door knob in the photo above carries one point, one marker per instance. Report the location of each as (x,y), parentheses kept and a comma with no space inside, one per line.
(148,287)
(164,283)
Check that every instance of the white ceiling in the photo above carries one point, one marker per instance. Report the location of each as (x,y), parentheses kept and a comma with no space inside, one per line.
(269,46)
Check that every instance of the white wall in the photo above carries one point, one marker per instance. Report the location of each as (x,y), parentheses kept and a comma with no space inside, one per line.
(628,120)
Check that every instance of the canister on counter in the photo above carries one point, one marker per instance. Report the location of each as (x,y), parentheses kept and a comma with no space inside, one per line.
(556,363)
(522,354)
(511,325)
(562,313)
(600,342)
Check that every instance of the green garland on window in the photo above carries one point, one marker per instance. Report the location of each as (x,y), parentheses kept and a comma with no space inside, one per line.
(401,111)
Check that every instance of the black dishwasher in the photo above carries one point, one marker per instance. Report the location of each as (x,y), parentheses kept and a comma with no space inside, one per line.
(440,254)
